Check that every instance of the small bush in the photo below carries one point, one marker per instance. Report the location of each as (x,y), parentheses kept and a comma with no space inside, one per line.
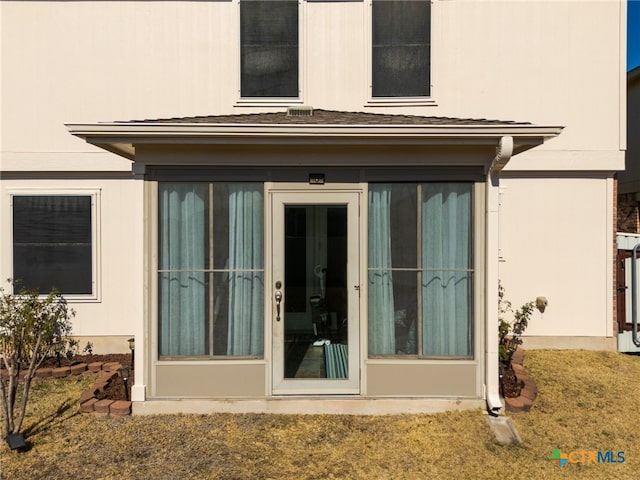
(32,328)
(509,333)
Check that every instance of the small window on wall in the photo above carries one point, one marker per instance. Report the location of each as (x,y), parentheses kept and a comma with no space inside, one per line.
(210,270)
(269,48)
(420,270)
(53,243)
(401,48)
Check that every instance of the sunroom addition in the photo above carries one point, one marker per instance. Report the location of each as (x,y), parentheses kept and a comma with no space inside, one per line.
(338,256)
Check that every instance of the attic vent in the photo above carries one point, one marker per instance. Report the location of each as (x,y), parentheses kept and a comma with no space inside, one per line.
(300,112)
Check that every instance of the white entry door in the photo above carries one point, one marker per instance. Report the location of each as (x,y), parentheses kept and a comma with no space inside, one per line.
(315,290)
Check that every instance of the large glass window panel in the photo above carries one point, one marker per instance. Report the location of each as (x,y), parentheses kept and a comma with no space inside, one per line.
(52,243)
(447,269)
(182,289)
(401,53)
(269,48)
(392,268)
(420,270)
(211,272)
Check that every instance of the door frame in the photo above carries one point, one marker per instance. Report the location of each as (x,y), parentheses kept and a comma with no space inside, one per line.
(278,195)
(623,291)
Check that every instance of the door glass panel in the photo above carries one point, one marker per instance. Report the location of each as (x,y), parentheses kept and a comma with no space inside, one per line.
(315,285)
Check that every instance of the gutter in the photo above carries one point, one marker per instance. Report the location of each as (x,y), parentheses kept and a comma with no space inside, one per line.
(122,137)
(504,153)
(180,129)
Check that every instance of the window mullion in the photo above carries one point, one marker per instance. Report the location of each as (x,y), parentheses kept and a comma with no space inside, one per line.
(211,273)
(419,267)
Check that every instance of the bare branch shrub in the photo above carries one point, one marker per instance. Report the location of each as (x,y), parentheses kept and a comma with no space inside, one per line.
(32,326)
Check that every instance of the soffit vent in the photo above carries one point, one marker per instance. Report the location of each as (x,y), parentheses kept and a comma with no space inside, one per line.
(300,111)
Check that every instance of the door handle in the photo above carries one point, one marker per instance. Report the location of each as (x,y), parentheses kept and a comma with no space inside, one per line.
(278,297)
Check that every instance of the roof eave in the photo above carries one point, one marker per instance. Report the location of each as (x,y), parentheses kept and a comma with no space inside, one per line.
(121,138)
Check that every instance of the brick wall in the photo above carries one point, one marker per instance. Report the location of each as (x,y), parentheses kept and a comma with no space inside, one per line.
(627,211)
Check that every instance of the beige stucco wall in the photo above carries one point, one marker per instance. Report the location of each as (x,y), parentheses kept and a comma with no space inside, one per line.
(544,62)
(558,62)
(557,242)
(116,309)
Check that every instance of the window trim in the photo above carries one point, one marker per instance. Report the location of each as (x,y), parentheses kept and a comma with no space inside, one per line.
(370,100)
(272,101)
(95,194)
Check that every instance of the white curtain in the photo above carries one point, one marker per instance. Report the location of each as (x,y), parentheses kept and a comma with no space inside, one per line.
(381,305)
(182,263)
(246,283)
(446,263)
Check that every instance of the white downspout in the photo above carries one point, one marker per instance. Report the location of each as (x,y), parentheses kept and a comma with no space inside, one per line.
(503,154)
(138,389)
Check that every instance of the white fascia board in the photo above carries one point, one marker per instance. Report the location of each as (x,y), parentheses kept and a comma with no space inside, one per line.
(142,129)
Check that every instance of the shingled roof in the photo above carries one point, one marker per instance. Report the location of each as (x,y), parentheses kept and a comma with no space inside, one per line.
(304,125)
(327,117)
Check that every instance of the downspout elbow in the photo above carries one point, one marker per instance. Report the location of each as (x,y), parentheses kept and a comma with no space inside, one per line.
(504,152)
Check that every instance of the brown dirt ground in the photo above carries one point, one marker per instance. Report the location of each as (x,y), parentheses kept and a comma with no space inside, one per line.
(509,383)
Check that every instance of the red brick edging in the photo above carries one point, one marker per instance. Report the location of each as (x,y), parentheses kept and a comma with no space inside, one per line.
(106,373)
(528,392)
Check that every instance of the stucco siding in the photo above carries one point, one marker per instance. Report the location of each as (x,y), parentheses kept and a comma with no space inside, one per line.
(116,305)
(544,62)
(555,242)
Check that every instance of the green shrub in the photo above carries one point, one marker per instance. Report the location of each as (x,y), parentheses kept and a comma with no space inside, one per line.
(510,332)
(32,327)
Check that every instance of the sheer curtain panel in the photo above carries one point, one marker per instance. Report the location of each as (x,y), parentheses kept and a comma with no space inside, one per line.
(447,269)
(181,284)
(246,282)
(382,339)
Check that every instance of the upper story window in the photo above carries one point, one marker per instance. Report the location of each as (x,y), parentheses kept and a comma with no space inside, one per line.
(269,48)
(401,48)
(53,243)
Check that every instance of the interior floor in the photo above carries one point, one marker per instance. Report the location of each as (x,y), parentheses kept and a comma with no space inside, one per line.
(305,355)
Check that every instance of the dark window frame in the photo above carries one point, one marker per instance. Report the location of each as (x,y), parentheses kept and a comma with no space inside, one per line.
(263,74)
(388,45)
(50,249)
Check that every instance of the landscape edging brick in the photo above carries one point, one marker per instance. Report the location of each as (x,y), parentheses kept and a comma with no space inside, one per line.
(105,374)
(528,390)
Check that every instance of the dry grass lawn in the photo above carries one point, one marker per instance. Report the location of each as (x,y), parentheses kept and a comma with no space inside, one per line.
(587,401)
